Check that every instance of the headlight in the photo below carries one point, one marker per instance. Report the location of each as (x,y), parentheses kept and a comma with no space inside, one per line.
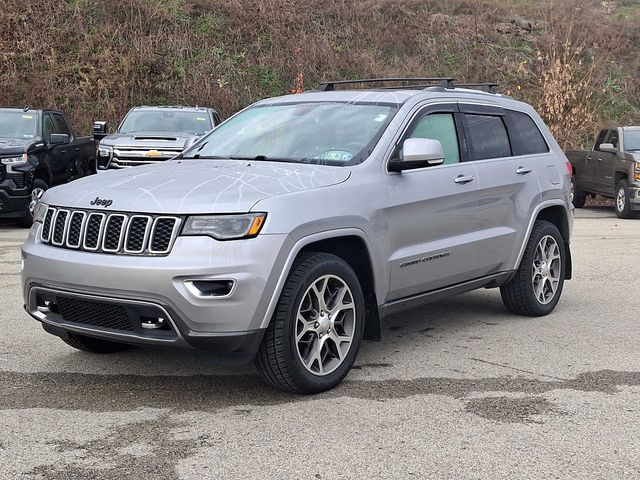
(15,160)
(105,151)
(40,211)
(225,227)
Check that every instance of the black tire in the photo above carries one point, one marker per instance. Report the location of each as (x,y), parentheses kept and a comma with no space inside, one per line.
(94,345)
(27,220)
(277,360)
(623,210)
(579,198)
(518,294)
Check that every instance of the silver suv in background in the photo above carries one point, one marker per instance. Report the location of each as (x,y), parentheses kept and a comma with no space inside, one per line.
(291,230)
(152,135)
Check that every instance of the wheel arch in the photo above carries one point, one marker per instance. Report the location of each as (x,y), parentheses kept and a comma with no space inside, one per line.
(555,212)
(350,245)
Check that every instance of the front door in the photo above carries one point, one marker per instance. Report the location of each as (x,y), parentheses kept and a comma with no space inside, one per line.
(432,213)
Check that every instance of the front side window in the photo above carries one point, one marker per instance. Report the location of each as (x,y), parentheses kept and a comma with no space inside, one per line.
(525,135)
(441,127)
(600,139)
(334,133)
(60,125)
(613,138)
(166,121)
(47,128)
(487,136)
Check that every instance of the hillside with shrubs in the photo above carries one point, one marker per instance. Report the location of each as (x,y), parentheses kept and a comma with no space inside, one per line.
(576,61)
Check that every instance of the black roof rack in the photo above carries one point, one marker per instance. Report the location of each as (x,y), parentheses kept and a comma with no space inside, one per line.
(489,87)
(444,82)
(421,83)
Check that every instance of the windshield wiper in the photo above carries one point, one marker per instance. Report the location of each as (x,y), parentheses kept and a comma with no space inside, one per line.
(262,158)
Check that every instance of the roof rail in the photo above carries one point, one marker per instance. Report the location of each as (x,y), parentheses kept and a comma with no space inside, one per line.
(445,82)
(424,82)
(489,87)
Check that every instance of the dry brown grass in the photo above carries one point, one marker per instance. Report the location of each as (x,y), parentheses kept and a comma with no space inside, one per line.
(95,59)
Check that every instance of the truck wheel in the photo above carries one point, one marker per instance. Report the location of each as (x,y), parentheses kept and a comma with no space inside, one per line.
(623,203)
(536,287)
(94,345)
(37,189)
(316,331)
(577,197)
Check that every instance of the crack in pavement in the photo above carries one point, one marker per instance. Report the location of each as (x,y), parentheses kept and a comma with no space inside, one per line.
(91,392)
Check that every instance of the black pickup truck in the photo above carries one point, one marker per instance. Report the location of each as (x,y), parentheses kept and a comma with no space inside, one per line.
(38,150)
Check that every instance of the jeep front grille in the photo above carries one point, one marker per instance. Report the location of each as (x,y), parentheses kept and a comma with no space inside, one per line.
(116,233)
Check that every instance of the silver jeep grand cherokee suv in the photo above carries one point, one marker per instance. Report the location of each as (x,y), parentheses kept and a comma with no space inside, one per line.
(290,230)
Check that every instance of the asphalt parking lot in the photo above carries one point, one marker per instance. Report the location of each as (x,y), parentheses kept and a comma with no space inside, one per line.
(458,390)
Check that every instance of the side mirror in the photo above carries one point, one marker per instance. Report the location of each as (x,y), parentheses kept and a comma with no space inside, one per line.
(418,153)
(608,147)
(100,130)
(58,138)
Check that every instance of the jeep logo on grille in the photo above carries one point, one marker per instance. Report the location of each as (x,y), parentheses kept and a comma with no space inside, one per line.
(101,202)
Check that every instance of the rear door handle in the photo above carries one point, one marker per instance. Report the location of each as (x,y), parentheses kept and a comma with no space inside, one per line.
(523,170)
(463,179)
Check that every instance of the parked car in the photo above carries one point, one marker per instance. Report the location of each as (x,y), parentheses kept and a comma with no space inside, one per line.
(290,230)
(38,150)
(611,169)
(152,135)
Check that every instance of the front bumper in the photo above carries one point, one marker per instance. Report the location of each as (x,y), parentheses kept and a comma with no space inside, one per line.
(14,201)
(634,198)
(229,324)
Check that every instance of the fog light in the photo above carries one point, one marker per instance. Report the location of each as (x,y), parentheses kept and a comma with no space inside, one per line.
(152,323)
(210,288)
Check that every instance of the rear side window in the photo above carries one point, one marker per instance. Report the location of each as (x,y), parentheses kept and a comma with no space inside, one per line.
(441,127)
(486,136)
(526,138)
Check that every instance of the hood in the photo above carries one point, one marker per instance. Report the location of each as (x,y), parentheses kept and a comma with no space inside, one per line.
(149,140)
(14,146)
(193,186)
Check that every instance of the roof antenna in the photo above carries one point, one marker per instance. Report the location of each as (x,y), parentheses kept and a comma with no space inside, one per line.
(25,108)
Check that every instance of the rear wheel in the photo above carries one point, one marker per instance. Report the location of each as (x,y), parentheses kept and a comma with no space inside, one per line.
(315,334)
(536,287)
(577,197)
(623,202)
(94,345)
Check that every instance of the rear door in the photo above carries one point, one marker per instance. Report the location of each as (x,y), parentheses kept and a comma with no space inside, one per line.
(432,213)
(508,152)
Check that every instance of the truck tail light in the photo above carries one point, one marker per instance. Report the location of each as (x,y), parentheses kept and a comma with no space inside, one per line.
(570,168)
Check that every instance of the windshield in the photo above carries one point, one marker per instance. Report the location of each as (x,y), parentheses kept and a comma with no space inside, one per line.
(166,121)
(632,140)
(327,133)
(17,124)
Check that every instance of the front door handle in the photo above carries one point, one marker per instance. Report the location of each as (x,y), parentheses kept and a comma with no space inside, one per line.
(463,179)
(523,170)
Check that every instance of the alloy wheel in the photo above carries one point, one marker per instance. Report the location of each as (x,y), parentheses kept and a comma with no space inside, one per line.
(546,269)
(36,193)
(325,325)
(621,199)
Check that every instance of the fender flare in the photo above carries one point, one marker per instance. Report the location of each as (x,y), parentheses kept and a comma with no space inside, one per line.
(297,247)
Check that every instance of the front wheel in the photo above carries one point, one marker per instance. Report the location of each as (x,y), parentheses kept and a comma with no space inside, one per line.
(536,287)
(37,190)
(623,202)
(316,331)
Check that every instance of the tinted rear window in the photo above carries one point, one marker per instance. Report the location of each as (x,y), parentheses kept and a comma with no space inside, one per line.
(526,138)
(487,137)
